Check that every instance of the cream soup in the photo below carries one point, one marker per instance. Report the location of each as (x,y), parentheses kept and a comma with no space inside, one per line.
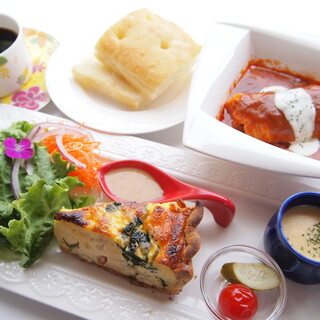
(301,225)
(132,184)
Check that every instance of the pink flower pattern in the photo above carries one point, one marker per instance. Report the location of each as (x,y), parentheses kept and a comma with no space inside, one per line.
(29,99)
(38,68)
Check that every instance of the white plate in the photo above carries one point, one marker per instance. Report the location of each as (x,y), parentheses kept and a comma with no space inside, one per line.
(64,282)
(226,52)
(106,115)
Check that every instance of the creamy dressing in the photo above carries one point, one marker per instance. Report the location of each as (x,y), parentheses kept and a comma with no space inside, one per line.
(301,225)
(298,108)
(132,184)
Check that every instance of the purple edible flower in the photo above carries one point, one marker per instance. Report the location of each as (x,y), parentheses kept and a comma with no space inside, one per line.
(18,150)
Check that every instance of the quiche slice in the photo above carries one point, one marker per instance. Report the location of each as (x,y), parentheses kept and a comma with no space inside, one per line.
(151,243)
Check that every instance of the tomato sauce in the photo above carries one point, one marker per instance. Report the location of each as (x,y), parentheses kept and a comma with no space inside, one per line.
(257,76)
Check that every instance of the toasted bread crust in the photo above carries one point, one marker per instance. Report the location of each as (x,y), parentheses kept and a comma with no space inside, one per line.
(147,50)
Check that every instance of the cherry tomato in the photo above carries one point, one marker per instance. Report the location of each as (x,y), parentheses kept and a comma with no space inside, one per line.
(238,302)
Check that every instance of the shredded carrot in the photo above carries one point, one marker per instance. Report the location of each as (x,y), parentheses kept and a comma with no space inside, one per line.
(84,150)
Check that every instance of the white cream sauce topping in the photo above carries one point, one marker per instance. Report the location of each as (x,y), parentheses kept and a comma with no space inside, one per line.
(273,89)
(132,184)
(298,108)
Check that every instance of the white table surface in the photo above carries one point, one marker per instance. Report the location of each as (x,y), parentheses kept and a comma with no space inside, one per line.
(67,19)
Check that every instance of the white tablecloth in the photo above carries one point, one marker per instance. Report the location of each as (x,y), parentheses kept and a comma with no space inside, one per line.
(69,19)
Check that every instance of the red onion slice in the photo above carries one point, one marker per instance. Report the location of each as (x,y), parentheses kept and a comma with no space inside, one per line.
(15,186)
(38,133)
(67,155)
(29,166)
(47,125)
(33,132)
(41,136)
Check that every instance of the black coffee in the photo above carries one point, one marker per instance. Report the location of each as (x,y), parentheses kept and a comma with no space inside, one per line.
(7,37)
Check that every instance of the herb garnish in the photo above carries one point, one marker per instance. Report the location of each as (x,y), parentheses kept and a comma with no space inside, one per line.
(313,239)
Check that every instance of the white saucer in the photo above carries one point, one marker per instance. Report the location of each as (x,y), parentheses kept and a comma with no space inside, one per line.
(106,115)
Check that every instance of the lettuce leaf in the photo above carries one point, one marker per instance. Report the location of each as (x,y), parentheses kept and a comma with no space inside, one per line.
(45,166)
(6,252)
(26,225)
(31,234)
(17,130)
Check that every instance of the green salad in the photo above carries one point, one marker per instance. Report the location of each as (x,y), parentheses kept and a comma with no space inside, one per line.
(26,219)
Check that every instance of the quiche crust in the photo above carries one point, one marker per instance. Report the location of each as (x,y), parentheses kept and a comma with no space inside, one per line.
(151,243)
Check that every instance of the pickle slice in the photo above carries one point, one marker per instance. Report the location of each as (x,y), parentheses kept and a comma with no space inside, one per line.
(256,276)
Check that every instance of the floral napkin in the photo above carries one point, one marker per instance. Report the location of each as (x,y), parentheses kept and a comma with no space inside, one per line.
(33,95)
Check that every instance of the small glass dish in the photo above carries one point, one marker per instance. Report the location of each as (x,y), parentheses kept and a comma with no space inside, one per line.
(270,302)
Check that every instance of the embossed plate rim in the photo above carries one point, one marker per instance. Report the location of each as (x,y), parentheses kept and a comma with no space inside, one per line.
(63,282)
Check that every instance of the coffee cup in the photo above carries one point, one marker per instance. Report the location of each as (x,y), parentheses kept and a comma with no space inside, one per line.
(15,59)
